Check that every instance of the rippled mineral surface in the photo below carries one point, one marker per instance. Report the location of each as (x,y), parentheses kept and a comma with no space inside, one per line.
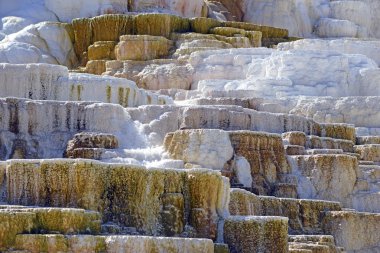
(178,126)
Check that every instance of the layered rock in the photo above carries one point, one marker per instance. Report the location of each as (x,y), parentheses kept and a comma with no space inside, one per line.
(111,190)
(262,74)
(321,18)
(224,34)
(356,232)
(161,120)
(142,47)
(49,82)
(369,152)
(17,219)
(316,142)
(347,46)
(328,177)
(199,147)
(304,215)
(89,31)
(256,234)
(47,42)
(313,243)
(35,129)
(266,156)
(235,89)
(86,243)
(155,75)
(90,145)
(360,111)
(102,50)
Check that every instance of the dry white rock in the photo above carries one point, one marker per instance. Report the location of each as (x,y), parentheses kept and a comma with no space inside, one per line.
(269,72)
(369,48)
(45,42)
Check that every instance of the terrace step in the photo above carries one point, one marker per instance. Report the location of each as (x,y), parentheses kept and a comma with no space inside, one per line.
(304,214)
(295,150)
(18,219)
(88,243)
(313,244)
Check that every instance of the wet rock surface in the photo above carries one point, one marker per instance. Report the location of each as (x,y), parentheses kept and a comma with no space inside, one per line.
(214,130)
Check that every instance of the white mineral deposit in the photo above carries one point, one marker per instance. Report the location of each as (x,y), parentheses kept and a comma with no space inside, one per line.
(178,126)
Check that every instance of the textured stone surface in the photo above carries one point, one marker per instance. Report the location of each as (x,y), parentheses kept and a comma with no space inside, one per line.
(356,232)
(256,234)
(13,224)
(295,138)
(142,47)
(328,177)
(17,219)
(323,244)
(370,152)
(128,244)
(90,141)
(315,142)
(102,50)
(47,42)
(273,73)
(117,192)
(50,82)
(265,154)
(96,67)
(304,215)
(199,147)
(220,85)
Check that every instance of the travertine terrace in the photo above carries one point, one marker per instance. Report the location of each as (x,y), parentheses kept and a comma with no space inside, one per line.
(224,126)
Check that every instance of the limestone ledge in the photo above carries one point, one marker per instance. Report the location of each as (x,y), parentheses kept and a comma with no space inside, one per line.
(41,129)
(237,118)
(313,243)
(264,153)
(17,219)
(155,201)
(368,152)
(361,110)
(52,82)
(326,176)
(356,232)
(304,214)
(127,244)
(90,30)
(247,234)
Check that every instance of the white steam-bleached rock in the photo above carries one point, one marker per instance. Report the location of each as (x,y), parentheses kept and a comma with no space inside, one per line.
(52,82)
(369,48)
(317,18)
(209,148)
(16,15)
(276,13)
(362,111)
(42,128)
(328,27)
(46,42)
(286,73)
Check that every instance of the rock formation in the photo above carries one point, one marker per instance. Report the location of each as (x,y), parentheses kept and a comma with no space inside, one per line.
(189,126)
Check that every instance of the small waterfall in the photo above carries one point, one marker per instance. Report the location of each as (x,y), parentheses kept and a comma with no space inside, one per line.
(305,188)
